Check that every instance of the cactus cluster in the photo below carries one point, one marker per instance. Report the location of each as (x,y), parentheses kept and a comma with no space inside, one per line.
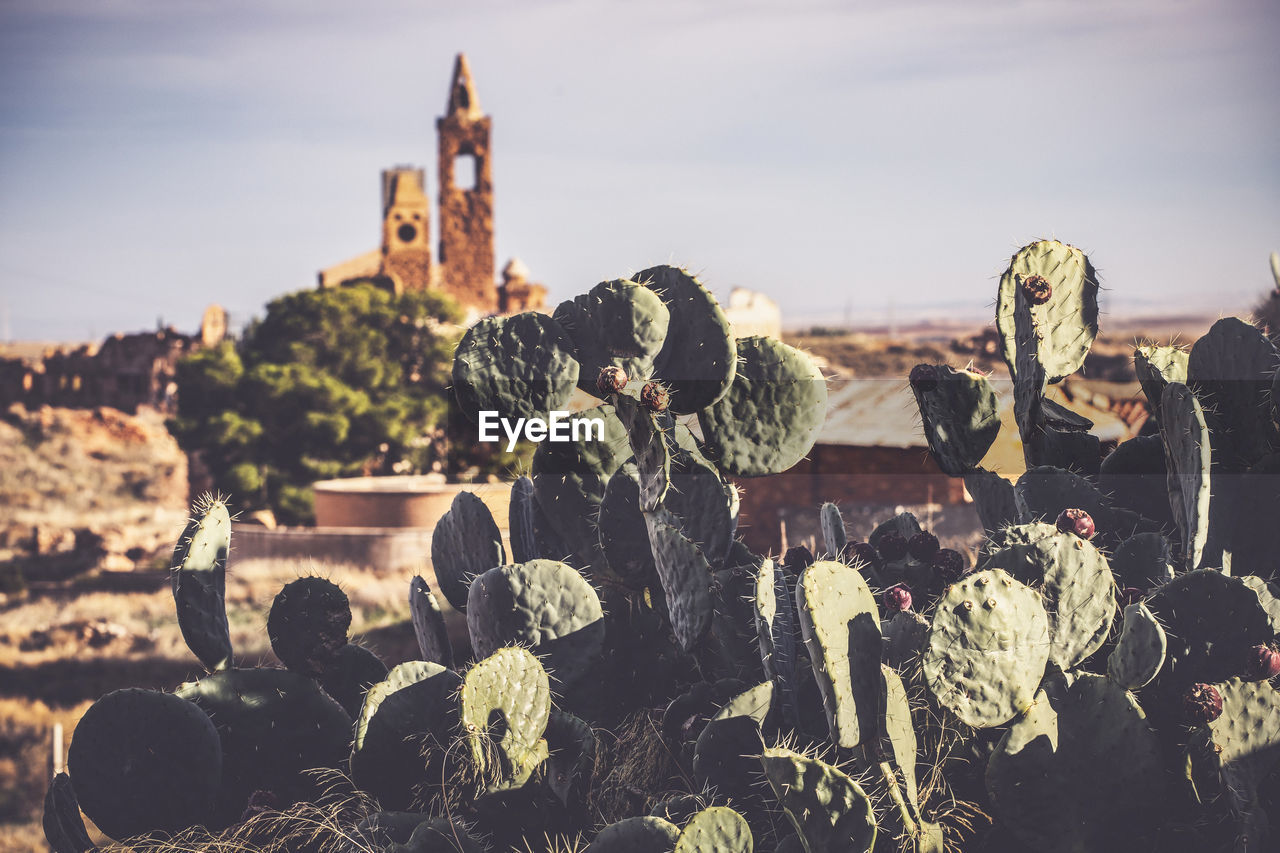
(638,680)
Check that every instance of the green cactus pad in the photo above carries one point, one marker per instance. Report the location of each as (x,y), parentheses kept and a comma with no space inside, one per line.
(770,417)
(571,755)
(1156,367)
(1045,491)
(1253,537)
(1143,561)
(685,575)
(702,503)
(354,670)
(1187,455)
(1139,653)
(1246,741)
(510,683)
(778,633)
(624,537)
(987,648)
(274,726)
(429,627)
(521,523)
(1078,590)
(466,543)
(1210,620)
(898,733)
(308,624)
(679,809)
(616,324)
(63,826)
(841,628)
(718,829)
(724,757)
(830,811)
(1029,383)
(905,638)
(698,359)
(1229,371)
(404,726)
(834,535)
(636,835)
(904,524)
(1134,477)
(145,762)
(546,606)
(1067,323)
(1079,771)
(569,480)
(521,366)
(993,497)
(199,580)
(961,418)
(652,455)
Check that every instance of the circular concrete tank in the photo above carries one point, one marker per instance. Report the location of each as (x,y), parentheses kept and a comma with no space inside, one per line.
(403,501)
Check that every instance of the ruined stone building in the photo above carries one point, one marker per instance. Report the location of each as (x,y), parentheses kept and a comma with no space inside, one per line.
(463,264)
(123,372)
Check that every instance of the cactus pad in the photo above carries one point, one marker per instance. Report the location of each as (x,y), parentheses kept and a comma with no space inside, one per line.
(841,627)
(1187,456)
(615,324)
(521,366)
(466,543)
(510,683)
(199,579)
(718,829)
(830,811)
(685,575)
(546,606)
(1079,771)
(770,417)
(987,648)
(429,627)
(1067,322)
(144,762)
(961,418)
(698,358)
(1139,653)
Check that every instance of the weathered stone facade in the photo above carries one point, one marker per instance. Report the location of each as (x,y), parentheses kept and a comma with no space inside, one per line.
(124,372)
(464,263)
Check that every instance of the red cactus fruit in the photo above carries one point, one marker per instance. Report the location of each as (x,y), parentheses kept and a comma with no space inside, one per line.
(923,377)
(892,546)
(948,565)
(923,546)
(1036,289)
(654,397)
(1263,662)
(611,380)
(1076,521)
(1201,704)
(897,598)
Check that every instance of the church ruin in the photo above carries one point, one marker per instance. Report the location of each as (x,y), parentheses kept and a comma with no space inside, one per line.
(463,263)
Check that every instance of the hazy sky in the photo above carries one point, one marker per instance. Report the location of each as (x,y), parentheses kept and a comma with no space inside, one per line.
(156,156)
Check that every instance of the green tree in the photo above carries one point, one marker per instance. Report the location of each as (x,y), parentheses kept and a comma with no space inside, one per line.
(339,382)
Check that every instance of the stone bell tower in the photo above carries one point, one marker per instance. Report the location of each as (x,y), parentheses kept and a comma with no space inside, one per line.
(406,237)
(466,256)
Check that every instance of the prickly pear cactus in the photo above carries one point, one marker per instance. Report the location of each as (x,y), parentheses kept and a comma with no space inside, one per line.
(1080,770)
(1139,653)
(145,762)
(988,647)
(960,414)
(512,684)
(521,366)
(1055,284)
(464,544)
(770,417)
(841,627)
(830,811)
(199,576)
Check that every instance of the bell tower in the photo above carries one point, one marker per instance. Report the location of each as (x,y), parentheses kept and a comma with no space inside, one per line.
(406,238)
(466,256)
